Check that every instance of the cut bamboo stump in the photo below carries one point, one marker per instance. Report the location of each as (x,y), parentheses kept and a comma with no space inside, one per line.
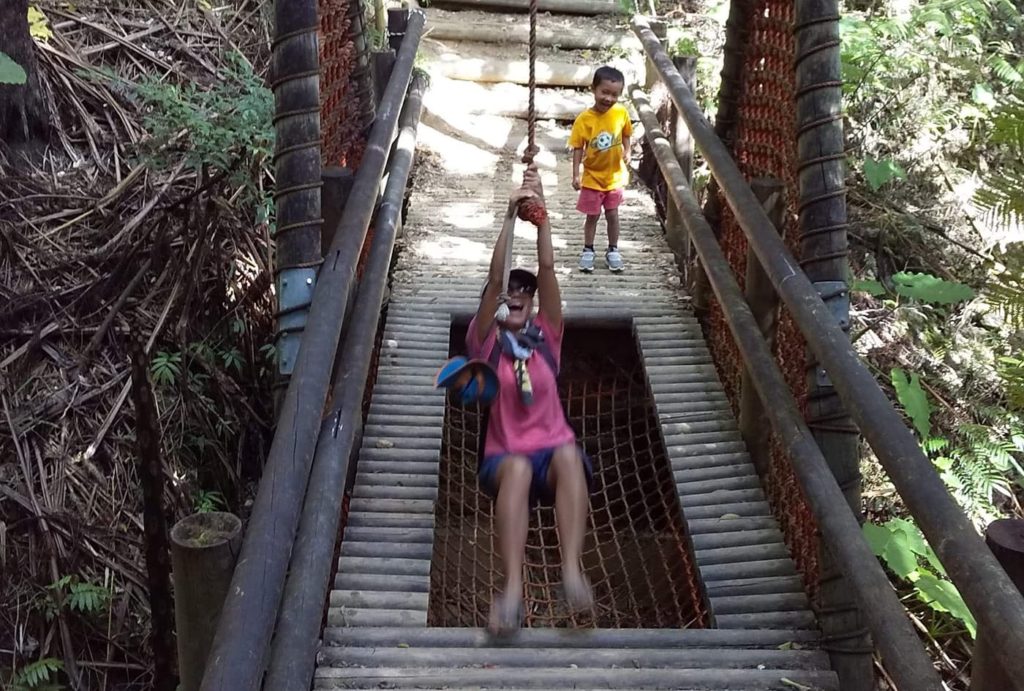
(204,547)
(519,33)
(584,7)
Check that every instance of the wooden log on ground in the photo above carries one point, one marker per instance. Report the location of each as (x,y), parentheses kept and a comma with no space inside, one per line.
(1005,537)
(561,37)
(494,71)
(584,7)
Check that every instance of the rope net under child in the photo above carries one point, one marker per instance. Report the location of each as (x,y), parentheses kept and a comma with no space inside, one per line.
(636,552)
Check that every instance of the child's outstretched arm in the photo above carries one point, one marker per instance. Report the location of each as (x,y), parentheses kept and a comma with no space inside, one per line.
(492,291)
(625,148)
(547,280)
(577,160)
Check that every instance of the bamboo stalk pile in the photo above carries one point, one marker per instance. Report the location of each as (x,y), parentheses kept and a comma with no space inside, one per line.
(107,235)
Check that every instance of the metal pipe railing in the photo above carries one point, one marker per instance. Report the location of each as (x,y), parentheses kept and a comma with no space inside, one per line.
(840,528)
(985,587)
(240,648)
(296,638)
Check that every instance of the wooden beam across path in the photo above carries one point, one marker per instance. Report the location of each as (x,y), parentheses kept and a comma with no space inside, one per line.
(450,28)
(584,7)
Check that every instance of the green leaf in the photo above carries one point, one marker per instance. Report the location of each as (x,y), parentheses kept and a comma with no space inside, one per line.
(878,537)
(899,556)
(928,288)
(912,397)
(941,595)
(10,71)
(870,287)
(878,173)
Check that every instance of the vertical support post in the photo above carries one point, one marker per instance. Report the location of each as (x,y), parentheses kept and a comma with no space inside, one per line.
(383,63)
(1005,538)
(824,253)
(337,183)
(682,145)
(764,303)
(398,22)
(660,29)
(204,547)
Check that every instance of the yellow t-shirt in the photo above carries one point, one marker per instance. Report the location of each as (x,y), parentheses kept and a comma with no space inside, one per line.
(600,136)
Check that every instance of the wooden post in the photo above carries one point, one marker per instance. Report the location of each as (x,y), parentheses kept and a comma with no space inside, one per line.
(764,303)
(1005,538)
(381,62)
(337,184)
(660,30)
(204,547)
(682,145)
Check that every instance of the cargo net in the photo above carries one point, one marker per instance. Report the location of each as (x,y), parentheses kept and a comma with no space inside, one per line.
(344,102)
(636,552)
(765,146)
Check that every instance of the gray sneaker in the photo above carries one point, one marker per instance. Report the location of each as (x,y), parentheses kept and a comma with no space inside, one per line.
(614,260)
(587,260)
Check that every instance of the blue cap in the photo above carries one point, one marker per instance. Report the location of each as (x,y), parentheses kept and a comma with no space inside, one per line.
(470,381)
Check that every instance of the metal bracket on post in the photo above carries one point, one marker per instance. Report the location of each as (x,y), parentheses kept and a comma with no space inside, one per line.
(836,296)
(294,294)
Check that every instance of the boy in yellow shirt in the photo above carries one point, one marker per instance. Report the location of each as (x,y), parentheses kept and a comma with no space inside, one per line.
(600,141)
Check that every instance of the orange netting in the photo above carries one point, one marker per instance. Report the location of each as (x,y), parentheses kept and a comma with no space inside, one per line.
(636,552)
(343,105)
(765,146)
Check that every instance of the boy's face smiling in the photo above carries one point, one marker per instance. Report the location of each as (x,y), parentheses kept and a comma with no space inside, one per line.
(606,95)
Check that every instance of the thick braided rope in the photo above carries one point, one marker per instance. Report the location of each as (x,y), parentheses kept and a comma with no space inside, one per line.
(531,113)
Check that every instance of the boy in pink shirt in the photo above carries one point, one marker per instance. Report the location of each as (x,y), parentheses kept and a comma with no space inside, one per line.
(530,452)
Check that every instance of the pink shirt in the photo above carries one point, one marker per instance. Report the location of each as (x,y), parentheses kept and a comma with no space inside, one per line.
(518,428)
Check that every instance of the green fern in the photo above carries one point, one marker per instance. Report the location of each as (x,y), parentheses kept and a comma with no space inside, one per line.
(37,676)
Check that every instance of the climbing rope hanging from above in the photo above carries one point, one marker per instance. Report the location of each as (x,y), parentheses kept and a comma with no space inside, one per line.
(528,209)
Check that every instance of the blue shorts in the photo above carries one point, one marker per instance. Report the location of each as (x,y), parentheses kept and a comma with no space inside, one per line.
(540,461)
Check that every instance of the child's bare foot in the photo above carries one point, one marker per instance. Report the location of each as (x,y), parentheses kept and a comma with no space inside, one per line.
(577,591)
(506,614)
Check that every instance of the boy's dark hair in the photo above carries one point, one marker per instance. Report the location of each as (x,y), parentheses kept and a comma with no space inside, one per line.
(608,74)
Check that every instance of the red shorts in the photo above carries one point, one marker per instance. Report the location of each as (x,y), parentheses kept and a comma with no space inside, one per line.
(592,201)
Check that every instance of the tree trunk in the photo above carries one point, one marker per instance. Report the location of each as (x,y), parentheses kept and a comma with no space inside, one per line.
(22,113)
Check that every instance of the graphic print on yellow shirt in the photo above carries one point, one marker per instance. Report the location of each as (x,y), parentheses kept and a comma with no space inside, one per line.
(600,135)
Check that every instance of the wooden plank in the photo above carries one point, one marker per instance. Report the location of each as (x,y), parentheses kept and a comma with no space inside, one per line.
(371,479)
(750,569)
(379,599)
(351,616)
(706,454)
(384,566)
(372,581)
(365,534)
(407,467)
(544,678)
(714,473)
(742,553)
(357,519)
(695,488)
(801,619)
(547,638)
(718,524)
(389,441)
(724,423)
(680,461)
(393,505)
(576,658)
(757,508)
(362,491)
(405,455)
(719,497)
(754,586)
(760,603)
(387,550)
(736,539)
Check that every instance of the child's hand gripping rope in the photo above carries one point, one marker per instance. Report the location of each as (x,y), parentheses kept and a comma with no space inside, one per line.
(527,203)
